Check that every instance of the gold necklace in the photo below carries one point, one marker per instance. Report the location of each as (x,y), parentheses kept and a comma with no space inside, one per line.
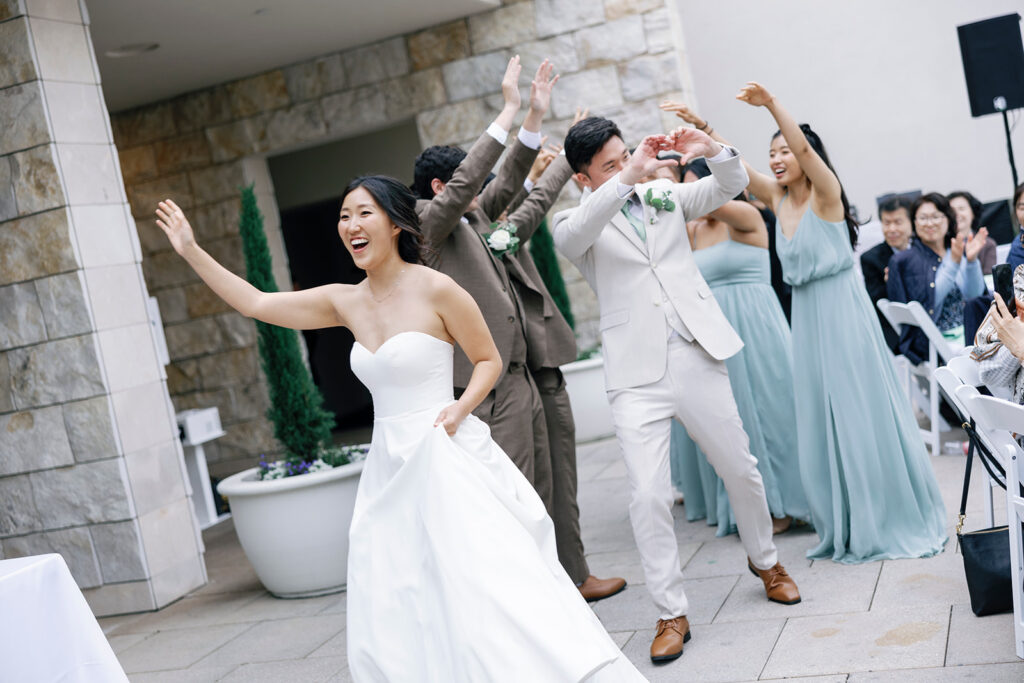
(391,291)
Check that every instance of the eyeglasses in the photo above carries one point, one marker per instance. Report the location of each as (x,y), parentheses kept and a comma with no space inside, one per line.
(931,218)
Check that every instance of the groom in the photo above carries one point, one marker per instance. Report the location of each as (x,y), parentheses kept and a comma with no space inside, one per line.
(664,342)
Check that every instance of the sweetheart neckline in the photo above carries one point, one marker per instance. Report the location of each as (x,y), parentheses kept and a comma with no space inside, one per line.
(399,334)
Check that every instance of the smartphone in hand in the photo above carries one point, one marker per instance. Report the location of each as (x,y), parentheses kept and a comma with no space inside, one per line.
(1002,283)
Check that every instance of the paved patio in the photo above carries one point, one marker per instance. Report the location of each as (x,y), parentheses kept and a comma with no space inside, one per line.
(903,620)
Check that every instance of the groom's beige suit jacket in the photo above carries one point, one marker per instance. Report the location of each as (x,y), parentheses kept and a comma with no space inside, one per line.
(639,283)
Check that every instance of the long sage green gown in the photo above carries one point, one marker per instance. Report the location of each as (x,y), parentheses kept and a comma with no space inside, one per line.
(864,466)
(761,376)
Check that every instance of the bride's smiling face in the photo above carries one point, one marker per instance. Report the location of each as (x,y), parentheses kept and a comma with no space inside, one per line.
(366,229)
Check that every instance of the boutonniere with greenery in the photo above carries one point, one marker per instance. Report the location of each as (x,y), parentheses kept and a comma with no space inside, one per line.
(502,238)
(660,202)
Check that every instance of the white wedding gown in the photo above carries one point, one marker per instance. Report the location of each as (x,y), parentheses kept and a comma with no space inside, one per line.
(452,573)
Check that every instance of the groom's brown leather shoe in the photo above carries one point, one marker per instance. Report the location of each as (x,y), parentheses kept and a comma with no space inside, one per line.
(778,585)
(594,589)
(668,641)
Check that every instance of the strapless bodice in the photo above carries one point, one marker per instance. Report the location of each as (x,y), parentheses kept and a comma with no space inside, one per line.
(733,263)
(409,372)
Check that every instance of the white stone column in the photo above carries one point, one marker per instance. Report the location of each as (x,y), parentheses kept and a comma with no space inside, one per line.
(90,462)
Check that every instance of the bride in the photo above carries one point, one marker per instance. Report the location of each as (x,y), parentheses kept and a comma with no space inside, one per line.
(453,572)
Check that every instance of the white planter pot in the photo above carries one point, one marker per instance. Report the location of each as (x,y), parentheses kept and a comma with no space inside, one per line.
(584,380)
(295,530)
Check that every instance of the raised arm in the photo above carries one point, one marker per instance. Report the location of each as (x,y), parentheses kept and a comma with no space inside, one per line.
(440,215)
(741,217)
(465,322)
(827,191)
(539,201)
(304,310)
(727,179)
(497,196)
(763,186)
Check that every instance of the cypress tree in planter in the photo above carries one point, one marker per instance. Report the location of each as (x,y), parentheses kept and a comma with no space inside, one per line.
(542,249)
(294,530)
(296,406)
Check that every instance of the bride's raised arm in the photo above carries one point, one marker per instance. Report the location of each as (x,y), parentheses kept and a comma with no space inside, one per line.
(304,310)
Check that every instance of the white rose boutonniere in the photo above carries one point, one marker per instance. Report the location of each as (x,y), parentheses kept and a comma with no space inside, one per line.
(659,202)
(502,239)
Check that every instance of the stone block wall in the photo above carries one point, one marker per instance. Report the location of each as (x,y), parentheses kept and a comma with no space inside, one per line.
(620,58)
(90,462)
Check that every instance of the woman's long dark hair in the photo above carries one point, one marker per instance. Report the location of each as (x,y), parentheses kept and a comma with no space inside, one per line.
(400,205)
(818,146)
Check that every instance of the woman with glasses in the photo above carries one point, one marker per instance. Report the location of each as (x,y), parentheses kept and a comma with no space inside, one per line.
(940,270)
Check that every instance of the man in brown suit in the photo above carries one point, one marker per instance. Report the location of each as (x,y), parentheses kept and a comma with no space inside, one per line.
(550,342)
(454,220)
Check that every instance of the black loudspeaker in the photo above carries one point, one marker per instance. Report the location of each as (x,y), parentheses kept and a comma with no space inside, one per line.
(993,57)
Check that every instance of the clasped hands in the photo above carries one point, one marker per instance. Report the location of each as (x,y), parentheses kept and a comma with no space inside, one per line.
(689,143)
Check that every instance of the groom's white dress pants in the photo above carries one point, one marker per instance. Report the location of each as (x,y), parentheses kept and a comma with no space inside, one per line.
(695,389)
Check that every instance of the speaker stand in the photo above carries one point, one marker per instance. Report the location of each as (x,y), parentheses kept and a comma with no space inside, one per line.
(1009,148)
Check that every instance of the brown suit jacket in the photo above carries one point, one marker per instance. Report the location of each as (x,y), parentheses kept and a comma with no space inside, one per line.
(458,250)
(550,340)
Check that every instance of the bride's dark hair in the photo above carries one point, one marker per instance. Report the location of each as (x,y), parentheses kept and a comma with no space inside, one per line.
(852,226)
(400,206)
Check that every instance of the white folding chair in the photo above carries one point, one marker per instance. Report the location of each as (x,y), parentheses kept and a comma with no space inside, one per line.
(1001,418)
(950,381)
(914,315)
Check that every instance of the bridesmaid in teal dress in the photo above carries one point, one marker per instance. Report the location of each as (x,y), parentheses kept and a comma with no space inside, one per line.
(731,250)
(867,476)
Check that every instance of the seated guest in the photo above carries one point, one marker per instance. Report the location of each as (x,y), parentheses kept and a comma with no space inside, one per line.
(968,215)
(999,348)
(939,270)
(894,214)
(1016,255)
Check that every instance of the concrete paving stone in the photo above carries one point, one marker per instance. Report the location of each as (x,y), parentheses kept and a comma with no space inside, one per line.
(726,555)
(191,611)
(819,593)
(621,637)
(267,607)
(626,563)
(838,678)
(979,640)
(205,675)
(338,606)
(985,673)
(937,580)
(612,537)
(177,649)
(274,640)
(884,639)
(121,643)
(341,677)
(633,608)
(306,670)
(717,652)
(118,625)
(337,646)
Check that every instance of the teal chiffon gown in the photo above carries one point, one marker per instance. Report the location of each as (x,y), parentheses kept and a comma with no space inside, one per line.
(761,376)
(868,478)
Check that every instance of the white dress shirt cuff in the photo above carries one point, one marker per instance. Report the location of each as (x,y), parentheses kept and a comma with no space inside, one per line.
(725,153)
(529,138)
(528,185)
(498,133)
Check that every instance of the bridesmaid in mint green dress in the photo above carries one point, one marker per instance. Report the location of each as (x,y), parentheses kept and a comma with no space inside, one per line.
(731,251)
(865,470)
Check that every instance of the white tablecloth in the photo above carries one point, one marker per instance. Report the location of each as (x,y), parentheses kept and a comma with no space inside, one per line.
(47,631)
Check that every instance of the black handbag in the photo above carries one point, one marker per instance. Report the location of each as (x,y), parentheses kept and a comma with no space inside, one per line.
(986,552)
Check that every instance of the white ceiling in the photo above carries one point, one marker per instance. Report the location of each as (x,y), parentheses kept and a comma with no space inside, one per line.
(205,42)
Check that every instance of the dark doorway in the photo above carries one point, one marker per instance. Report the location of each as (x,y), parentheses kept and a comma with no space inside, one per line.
(316,256)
